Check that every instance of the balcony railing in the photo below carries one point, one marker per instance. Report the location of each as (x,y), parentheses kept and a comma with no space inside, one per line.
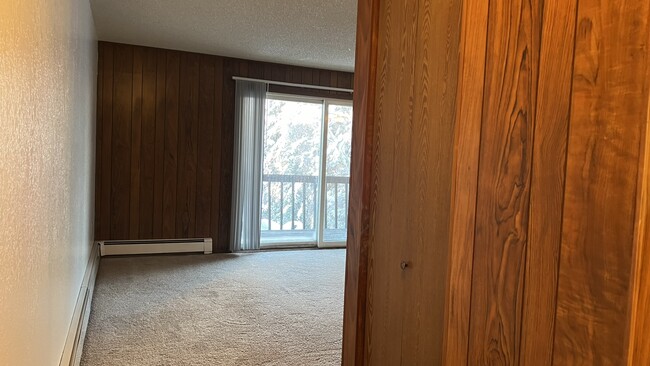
(290,207)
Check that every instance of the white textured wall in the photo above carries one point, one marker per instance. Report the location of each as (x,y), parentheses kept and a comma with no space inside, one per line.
(47,102)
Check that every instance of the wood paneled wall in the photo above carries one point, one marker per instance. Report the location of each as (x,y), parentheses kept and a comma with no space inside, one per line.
(402,170)
(548,205)
(165,130)
(564,113)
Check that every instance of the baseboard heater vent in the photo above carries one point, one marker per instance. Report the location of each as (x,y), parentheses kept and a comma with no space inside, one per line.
(132,247)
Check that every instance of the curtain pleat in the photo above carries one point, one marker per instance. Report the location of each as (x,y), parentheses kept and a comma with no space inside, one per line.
(247,173)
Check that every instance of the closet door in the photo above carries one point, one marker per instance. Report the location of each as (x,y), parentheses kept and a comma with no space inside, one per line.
(417,65)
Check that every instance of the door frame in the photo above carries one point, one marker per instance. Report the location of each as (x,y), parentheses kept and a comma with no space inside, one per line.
(356,271)
(467,132)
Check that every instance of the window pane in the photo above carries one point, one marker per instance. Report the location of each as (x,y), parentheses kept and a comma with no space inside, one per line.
(290,171)
(337,178)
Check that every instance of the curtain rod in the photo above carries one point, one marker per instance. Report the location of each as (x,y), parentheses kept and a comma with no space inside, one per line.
(306,86)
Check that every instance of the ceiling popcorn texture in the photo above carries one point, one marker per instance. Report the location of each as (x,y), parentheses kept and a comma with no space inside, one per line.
(311,33)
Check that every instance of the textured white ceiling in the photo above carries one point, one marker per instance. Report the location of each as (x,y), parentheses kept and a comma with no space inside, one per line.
(313,33)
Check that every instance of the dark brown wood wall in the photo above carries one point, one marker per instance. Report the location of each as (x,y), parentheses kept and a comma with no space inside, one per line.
(165,130)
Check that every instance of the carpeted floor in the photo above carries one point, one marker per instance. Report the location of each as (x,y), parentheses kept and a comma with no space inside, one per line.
(268,308)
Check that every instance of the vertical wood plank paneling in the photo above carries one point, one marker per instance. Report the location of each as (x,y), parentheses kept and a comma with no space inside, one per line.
(159,153)
(467,135)
(354,315)
(315,77)
(429,165)
(99,129)
(121,150)
(217,138)
(187,145)
(334,80)
(255,70)
(504,182)
(268,71)
(277,73)
(306,77)
(392,142)
(609,113)
(174,114)
(296,75)
(639,342)
(325,78)
(136,142)
(148,143)
(107,134)
(548,179)
(243,68)
(205,146)
(170,160)
(227,145)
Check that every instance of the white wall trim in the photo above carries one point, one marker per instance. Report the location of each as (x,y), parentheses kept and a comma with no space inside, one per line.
(77,332)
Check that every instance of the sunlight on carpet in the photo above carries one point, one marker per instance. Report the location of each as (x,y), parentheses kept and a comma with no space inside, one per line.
(268,308)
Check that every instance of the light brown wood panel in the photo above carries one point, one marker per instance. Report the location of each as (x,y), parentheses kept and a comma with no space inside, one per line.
(467,135)
(548,178)
(639,342)
(354,314)
(608,118)
(504,182)
(391,141)
(428,194)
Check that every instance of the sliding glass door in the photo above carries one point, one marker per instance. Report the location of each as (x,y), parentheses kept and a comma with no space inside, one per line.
(305,171)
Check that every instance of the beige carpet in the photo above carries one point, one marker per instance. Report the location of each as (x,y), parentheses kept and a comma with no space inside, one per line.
(268,308)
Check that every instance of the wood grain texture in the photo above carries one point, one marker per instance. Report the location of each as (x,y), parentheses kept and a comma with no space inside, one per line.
(608,118)
(227,146)
(170,158)
(187,146)
(354,314)
(467,135)
(99,142)
(205,146)
(429,165)
(159,141)
(147,174)
(171,114)
(388,225)
(548,179)
(121,140)
(639,342)
(106,54)
(136,142)
(504,182)
(216,207)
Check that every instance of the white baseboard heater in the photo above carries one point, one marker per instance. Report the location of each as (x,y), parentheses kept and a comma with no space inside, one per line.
(163,246)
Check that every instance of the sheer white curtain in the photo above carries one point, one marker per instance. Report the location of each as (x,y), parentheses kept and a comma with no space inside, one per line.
(247,172)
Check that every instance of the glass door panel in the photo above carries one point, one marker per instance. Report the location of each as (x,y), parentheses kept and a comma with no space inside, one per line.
(336,184)
(291,168)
